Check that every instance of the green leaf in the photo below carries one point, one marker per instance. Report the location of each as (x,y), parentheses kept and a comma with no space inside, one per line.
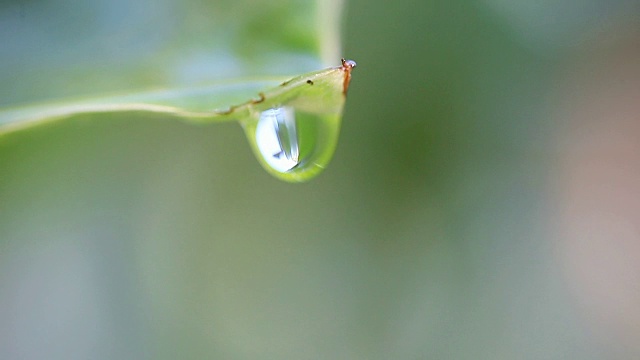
(243,48)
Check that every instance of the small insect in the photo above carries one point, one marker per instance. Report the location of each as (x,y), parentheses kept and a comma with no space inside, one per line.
(309,82)
(348,64)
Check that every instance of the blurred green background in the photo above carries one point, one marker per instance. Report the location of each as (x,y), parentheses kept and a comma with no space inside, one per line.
(482,203)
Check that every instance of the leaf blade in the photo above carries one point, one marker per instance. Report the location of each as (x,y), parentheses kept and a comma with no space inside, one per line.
(216,103)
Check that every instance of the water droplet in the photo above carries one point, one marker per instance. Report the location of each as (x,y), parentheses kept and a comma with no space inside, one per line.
(291,144)
(293,128)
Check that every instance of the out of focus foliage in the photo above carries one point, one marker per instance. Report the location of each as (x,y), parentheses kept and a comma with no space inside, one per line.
(458,220)
(85,48)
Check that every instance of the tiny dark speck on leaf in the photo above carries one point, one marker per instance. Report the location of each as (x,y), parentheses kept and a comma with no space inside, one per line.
(309,82)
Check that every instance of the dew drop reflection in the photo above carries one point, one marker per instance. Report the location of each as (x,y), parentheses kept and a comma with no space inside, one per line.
(291,144)
(277,139)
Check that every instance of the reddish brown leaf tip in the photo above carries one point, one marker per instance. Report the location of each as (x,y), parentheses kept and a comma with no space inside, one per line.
(347,66)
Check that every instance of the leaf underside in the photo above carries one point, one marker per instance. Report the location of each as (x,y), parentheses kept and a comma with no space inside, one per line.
(319,91)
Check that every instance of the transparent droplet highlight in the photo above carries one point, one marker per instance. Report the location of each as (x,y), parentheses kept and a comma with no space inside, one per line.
(291,144)
(277,138)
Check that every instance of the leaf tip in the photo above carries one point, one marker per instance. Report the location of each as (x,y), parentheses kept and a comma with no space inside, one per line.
(347,67)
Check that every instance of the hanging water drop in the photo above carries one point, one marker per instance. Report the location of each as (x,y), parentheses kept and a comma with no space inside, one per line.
(294,128)
(292,144)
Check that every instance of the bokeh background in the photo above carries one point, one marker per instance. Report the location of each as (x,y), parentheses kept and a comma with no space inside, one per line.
(483,202)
